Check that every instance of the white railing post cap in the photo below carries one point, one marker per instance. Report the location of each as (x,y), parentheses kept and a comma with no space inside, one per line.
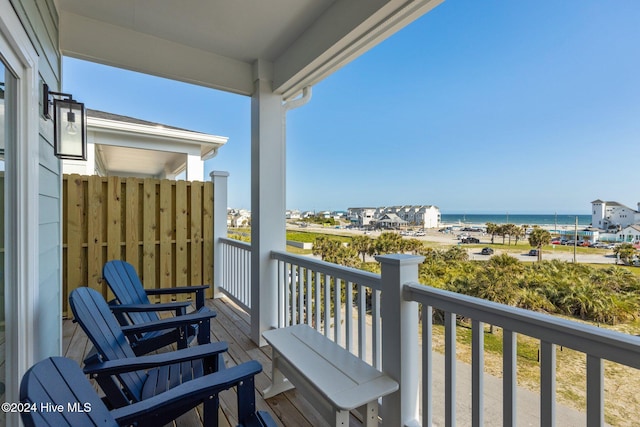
(399,259)
(219,173)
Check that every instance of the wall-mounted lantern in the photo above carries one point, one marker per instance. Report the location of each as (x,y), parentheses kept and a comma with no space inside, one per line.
(69,122)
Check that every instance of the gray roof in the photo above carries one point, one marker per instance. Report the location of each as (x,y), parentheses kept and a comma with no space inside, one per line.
(126,119)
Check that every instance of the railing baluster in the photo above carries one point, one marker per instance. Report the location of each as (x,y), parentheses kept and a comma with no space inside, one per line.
(547,384)
(337,303)
(294,301)
(509,377)
(427,365)
(595,391)
(477,375)
(318,301)
(450,369)
(300,281)
(327,305)
(282,305)
(309,297)
(348,315)
(291,294)
(376,331)
(362,322)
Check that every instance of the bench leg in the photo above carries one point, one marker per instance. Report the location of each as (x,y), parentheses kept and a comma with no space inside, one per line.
(342,418)
(371,414)
(279,382)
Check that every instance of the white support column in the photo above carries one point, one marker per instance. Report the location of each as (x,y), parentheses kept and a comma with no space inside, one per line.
(195,167)
(219,180)
(267,199)
(400,339)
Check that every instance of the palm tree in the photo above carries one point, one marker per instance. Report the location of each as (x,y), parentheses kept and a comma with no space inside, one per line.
(362,244)
(538,238)
(625,252)
(388,243)
(492,229)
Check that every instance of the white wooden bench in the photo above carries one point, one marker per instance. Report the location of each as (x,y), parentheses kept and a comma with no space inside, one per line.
(333,380)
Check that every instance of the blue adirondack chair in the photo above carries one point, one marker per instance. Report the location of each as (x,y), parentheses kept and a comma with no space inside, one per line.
(132,307)
(59,381)
(156,373)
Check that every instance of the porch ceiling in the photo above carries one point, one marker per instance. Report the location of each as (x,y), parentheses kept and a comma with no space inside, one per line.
(215,43)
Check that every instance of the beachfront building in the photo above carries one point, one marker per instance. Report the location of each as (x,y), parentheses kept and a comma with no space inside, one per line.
(613,215)
(128,147)
(238,217)
(293,214)
(424,216)
(630,234)
(390,221)
(361,217)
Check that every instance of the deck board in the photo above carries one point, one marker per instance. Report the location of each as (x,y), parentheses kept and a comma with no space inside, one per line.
(232,325)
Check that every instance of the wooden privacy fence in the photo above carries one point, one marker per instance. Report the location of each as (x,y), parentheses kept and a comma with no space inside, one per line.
(164,228)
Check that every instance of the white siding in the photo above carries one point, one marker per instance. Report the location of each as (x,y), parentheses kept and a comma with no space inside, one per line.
(40,21)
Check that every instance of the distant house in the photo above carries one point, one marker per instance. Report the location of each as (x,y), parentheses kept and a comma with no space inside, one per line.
(390,220)
(424,216)
(361,217)
(238,217)
(129,147)
(630,234)
(293,214)
(613,215)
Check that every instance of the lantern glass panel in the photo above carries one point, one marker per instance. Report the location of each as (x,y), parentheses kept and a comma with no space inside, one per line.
(69,117)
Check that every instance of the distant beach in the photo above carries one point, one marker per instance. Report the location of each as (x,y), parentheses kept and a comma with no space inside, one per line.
(518,219)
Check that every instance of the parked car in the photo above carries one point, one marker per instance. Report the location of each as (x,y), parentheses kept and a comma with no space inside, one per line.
(470,240)
(533,252)
(487,251)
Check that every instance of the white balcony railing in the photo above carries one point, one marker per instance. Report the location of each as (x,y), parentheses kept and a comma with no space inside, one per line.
(235,275)
(345,305)
(596,343)
(340,302)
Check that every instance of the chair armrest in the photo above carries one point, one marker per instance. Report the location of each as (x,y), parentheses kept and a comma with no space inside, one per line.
(187,395)
(178,290)
(169,323)
(198,290)
(168,306)
(120,366)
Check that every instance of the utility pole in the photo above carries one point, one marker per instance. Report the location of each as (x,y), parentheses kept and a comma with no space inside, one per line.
(575,240)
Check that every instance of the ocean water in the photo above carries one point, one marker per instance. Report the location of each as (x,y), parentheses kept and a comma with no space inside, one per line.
(519,219)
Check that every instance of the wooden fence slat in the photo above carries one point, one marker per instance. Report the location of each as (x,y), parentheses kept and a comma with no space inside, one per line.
(181,275)
(95,261)
(207,235)
(114,220)
(73,236)
(166,234)
(196,233)
(149,277)
(132,221)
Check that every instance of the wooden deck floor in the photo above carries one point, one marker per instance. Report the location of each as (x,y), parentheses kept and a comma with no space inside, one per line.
(232,325)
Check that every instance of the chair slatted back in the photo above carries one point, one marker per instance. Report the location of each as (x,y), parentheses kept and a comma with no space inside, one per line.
(60,381)
(125,284)
(92,312)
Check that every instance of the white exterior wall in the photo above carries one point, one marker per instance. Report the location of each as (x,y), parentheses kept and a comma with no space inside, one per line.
(629,234)
(597,215)
(604,214)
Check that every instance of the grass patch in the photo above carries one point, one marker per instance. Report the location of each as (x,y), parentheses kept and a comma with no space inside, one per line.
(310,236)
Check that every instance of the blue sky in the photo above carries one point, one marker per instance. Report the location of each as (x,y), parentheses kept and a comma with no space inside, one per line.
(478,107)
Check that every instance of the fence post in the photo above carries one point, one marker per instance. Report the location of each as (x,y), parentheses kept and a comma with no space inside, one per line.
(219,180)
(400,339)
